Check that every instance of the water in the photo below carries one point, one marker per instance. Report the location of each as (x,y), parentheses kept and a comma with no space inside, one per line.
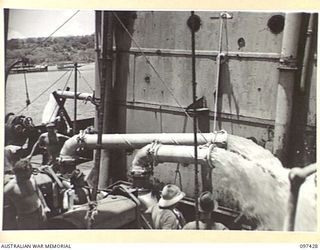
(249,176)
(15,96)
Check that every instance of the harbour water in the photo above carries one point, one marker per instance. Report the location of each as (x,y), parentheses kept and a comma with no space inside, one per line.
(41,84)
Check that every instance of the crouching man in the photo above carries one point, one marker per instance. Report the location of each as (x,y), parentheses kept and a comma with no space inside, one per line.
(26,197)
(164,214)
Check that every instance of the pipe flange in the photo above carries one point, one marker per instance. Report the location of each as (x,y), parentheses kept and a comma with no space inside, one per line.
(220,138)
(209,160)
(210,147)
(81,138)
(152,152)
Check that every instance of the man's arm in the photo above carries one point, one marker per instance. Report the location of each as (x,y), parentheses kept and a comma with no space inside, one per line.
(42,200)
(8,187)
(34,147)
(63,136)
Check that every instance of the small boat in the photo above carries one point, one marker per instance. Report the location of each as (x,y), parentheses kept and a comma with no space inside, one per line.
(67,65)
(30,68)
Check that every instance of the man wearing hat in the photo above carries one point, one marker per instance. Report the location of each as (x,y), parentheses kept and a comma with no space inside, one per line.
(164,214)
(207,205)
(51,141)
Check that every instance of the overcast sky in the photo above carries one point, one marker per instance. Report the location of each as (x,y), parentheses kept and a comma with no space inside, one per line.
(41,23)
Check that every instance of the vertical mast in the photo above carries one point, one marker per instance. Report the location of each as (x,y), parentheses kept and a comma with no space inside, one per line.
(93,178)
(98,178)
(107,92)
(75,98)
(194,25)
(287,70)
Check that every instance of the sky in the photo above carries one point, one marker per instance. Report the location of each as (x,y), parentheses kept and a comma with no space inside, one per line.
(41,23)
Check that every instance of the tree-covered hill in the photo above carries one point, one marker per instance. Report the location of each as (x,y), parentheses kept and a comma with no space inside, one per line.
(52,50)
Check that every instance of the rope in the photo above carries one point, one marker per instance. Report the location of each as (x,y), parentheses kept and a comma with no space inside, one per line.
(223,20)
(178,175)
(63,89)
(26,87)
(85,80)
(37,46)
(154,69)
(45,90)
(217,75)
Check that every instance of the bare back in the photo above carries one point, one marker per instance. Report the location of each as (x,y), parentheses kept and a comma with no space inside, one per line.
(53,144)
(23,195)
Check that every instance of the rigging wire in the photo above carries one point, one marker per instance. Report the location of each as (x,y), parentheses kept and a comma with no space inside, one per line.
(64,88)
(44,91)
(37,46)
(222,21)
(177,175)
(85,80)
(26,87)
(154,69)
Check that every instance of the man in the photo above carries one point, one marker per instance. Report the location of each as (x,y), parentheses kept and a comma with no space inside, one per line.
(207,205)
(10,157)
(26,197)
(164,214)
(53,143)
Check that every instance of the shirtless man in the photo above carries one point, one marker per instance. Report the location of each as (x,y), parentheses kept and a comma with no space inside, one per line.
(52,141)
(26,197)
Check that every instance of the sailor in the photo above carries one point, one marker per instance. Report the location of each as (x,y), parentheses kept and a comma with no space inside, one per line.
(52,142)
(164,214)
(207,205)
(10,157)
(25,195)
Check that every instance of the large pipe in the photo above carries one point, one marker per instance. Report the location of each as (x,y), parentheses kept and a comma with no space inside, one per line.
(71,95)
(98,124)
(307,52)
(107,57)
(159,153)
(155,153)
(287,70)
(257,186)
(135,141)
(51,109)
(297,177)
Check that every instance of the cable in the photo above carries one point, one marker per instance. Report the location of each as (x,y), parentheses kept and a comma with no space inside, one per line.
(154,69)
(44,91)
(85,80)
(217,75)
(63,89)
(26,87)
(37,46)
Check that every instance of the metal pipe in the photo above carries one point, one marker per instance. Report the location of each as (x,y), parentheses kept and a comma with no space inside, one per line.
(152,154)
(287,69)
(297,176)
(159,153)
(307,52)
(75,98)
(93,177)
(72,95)
(6,25)
(107,57)
(195,125)
(97,62)
(261,56)
(135,141)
